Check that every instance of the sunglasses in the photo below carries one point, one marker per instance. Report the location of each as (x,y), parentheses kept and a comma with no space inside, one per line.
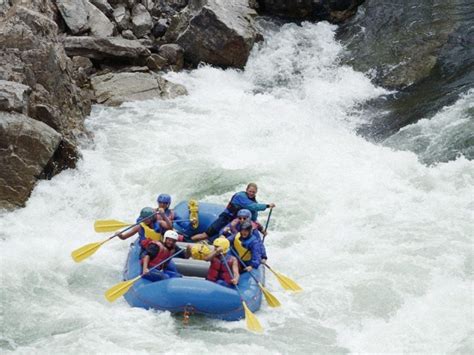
(242,218)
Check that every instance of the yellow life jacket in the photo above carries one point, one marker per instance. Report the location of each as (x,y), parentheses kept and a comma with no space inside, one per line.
(150,233)
(244,253)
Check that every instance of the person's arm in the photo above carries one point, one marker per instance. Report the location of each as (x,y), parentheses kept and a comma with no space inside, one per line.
(146,260)
(256,256)
(129,233)
(215,252)
(235,271)
(242,201)
(165,222)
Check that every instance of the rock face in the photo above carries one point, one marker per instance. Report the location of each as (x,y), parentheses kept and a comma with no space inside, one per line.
(100,48)
(75,14)
(215,31)
(36,80)
(25,148)
(115,88)
(99,24)
(335,11)
(424,50)
(141,21)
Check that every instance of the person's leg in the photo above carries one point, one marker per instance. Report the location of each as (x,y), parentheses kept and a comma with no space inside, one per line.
(214,228)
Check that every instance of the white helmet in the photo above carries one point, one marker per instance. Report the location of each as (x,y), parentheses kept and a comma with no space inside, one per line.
(170,234)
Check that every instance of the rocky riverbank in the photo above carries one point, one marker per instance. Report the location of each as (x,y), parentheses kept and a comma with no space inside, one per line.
(58,57)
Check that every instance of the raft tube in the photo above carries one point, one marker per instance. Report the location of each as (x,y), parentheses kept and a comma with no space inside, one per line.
(192,292)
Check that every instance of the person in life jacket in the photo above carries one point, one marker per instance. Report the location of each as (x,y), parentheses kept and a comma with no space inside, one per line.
(165,216)
(247,245)
(148,229)
(218,272)
(235,226)
(156,252)
(243,199)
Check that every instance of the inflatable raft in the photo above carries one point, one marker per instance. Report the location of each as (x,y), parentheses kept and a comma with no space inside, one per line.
(192,293)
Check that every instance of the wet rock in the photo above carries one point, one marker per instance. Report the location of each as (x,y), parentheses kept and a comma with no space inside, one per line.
(99,24)
(75,14)
(122,17)
(174,55)
(335,11)
(25,148)
(115,88)
(128,34)
(141,21)
(215,32)
(156,62)
(14,96)
(100,48)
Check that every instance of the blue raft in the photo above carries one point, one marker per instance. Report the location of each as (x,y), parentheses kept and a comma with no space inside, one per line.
(192,292)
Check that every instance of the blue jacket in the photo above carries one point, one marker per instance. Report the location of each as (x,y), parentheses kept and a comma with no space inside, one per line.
(240,200)
(253,244)
(255,233)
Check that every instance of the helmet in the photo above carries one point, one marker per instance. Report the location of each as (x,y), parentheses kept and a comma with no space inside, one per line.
(171,234)
(147,212)
(244,213)
(200,251)
(246,225)
(223,243)
(164,198)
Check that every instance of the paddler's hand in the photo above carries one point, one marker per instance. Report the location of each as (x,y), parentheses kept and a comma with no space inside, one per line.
(145,271)
(271,205)
(264,261)
(249,268)
(161,211)
(235,281)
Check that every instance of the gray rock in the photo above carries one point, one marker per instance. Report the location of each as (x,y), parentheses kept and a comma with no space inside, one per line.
(100,48)
(25,148)
(128,34)
(83,63)
(14,96)
(122,17)
(115,88)
(215,32)
(141,21)
(159,30)
(75,14)
(103,6)
(174,55)
(156,62)
(99,24)
(149,4)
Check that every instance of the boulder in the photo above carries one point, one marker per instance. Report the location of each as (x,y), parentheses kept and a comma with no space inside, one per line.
(215,31)
(103,6)
(141,21)
(159,30)
(156,62)
(128,34)
(100,48)
(14,96)
(99,24)
(115,88)
(75,14)
(26,147)
(121,16)
(335,11)
(174,55)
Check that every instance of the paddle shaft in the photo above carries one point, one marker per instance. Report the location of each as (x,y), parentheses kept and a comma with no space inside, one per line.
(266,225)
(164,261)
(231,275)
(243,264)
(131,226)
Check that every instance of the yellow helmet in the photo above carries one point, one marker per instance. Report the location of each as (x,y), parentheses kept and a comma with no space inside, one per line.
(200,251)
(223,243)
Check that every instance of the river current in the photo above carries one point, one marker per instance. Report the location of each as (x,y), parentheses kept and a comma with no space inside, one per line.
(380,241)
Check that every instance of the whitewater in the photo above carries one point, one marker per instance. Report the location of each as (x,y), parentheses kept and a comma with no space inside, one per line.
(380,241)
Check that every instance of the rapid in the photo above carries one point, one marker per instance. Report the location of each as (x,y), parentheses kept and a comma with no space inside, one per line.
(380,241)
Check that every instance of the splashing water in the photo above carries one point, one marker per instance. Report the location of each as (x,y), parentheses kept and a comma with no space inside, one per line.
(380,242)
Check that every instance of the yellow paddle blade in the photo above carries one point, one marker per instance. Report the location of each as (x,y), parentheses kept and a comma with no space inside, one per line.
(286,282)
(109,225)
(271,300)
(87,250)
(120,289)
(252,322)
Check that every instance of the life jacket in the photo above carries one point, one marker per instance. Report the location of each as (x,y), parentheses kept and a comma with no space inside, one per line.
(163,254)
(150,233)
(244,253)
(218,270)
(233,209)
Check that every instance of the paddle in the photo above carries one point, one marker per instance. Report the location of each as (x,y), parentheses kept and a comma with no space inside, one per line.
(122,287)
(271,300)
(285,281)
(251,320)
(266,225)
(111,225)
(87,250)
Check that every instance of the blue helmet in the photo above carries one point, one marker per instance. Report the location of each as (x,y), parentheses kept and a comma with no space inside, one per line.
(164,198)
(244,213)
